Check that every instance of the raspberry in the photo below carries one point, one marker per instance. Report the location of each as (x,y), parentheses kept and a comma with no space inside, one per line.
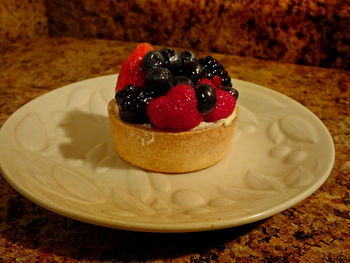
(225,105)
(232,91)
(217,80)
(131,71)
(176,111)
(207,81)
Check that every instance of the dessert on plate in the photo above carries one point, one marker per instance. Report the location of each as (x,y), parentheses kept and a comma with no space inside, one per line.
(172,112)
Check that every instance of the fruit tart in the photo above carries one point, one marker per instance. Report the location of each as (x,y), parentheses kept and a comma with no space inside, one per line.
(172,112)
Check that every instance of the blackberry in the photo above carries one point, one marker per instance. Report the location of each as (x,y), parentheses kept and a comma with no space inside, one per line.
(132,102)
(212,67)
(206,98)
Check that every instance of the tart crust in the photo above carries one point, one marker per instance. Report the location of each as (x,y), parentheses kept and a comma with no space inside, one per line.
(169,152)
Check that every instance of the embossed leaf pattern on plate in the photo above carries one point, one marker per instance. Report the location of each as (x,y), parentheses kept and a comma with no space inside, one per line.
(262,103)
(296,157)
(260,181)
(298,128)
(300,176)
(77,185)
(97,105)
(187,198)
(240,193)
(95,185)
(95,155)
(246,115)
(280,151)
(221,202)
(139,186)
(160,205)
(160,182)
(127,202)
(78,96)
(31,134)
(274,133)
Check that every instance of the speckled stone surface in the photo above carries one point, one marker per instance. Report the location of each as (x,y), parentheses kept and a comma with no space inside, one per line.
(310,32)
(315,230)
(22,19)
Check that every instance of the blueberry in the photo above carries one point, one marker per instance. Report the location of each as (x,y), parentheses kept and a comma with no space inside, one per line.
(172,60)
(132,102)
(193,70)
(152,59)
(158,81)
(206,98)
(178,80)
(187,55)
(233,91)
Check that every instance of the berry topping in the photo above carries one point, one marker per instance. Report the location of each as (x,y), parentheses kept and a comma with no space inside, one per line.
(131,71)
(225,105)
(182,80)
(132,103)
(206,98)
(187,55)
(158,81)
(193,70)
(172,60)
(173,91)
(207,81)
(213,68)
(226,80)
(153,59)
(233,91)
(217,81)
(176,111)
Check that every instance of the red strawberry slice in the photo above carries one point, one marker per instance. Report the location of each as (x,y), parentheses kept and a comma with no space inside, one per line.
(225,104)
(177,111)
(131,71)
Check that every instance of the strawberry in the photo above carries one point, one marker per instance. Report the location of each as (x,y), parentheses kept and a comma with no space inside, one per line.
(225,105)
(176,111)
(131,71)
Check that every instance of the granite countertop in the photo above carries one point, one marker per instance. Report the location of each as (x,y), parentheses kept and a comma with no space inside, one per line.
(315,230)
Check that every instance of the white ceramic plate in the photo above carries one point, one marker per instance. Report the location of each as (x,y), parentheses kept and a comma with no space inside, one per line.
(57,151)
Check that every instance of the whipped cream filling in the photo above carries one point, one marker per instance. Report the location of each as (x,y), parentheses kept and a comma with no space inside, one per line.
(202,125)
(226,121)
